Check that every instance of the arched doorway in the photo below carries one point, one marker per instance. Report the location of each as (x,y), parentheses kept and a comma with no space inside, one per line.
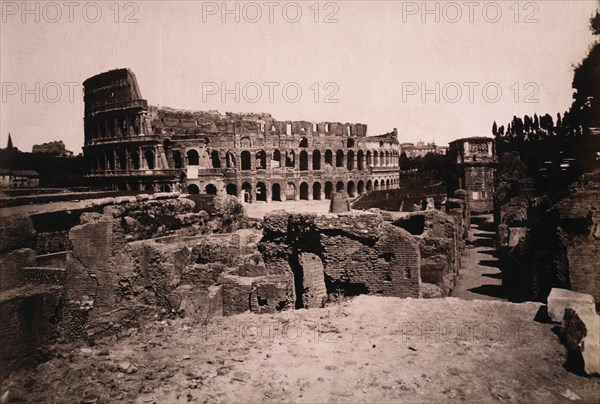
(316,160)
(231,189)
(369,186)
(246,163)
(351,189)
(303,160)
(211,189)
(360,187)
(193,189)
(317,191)
(350,160)
(329,157)
(304,191)
(376,185)
(193,158)
(261,160)
(247,192)
(304,142)
(328,189)
(339,158)
(360,160)
(261,191)
(276,192)
(216,159)
(149,156)
(290,191)
(339,187)
(276,160)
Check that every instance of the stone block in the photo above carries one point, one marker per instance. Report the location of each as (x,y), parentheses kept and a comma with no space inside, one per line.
(581,334)
(561,299)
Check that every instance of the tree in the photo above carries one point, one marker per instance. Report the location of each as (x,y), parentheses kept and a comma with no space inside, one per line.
(9,145)
(495,129)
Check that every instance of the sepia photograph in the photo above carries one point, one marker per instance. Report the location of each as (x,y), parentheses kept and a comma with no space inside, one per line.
(311,201)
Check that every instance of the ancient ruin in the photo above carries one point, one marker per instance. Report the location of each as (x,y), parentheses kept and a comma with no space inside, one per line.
(131,145)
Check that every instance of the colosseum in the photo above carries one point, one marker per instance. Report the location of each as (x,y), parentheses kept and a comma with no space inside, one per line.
(130,145)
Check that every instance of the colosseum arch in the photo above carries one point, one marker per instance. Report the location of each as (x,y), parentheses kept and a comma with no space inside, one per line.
(193,189)
(350,160)
(215,159)
(261,191)
(230,159)
(176,158)
(387,184)
(375,159)
(369,186)
(360,187)
(149,157)
(245,142)
(360,160)
(276,192)
(210,189)
(351,189)
(111,161)
(276,158)
(193,158)
(231,189)
(317,191)
(328,189)
(369,158)
(339,186)
(304,191)
(247,191)
(339,158)
(246,160)
(329,157)
(303,160)
(376,185)
(261,160)
(290,191)
(122,157)
(350,142)
(303,142)
(290,158)
(316,160)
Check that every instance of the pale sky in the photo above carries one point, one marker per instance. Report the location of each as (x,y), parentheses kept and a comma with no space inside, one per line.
(377,56)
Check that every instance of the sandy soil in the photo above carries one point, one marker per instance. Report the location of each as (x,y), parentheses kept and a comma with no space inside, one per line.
(369,349)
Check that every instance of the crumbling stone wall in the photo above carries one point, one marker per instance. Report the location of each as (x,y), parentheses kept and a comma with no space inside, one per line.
(441,244)
(359,253)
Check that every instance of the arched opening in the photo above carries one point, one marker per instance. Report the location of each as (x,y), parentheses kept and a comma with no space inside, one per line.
(317,191)
(328,189)
(303,160)
(304,191)
(134,156)
(360,160)
(149,187)
(339,187)
(246,163)
(231,189)
(210,189)
(276,161)
(261,160)
(165,188)
(247,192)
(329,157)
(216,159)
(339,158)
(193,159)
(351,189)
(304,142)
(290,158)
(245,142)
(360,187)
(193,189)
(276,192)
(122,160)
(369,186)
(350,160)
(149,157)
(261,191)
(376,185)
(316,160)
(387,184)
(375,159)
(369,158)
(230,159)
(350,142)
(177,158)
(290,191)
(386,159)
(111,161)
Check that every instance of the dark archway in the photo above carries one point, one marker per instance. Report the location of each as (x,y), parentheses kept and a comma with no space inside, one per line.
(304,191)
(376,185)
(247,191)
(290,158)
(246,163)
(193,189)
(193,158)
(339,186)
(317,191)
(261,160)
(216,159)
(328,189)
(177,158)
(304,142)
(261,191)
(122,160)
(149,156)
(350,160)
(231,189)
(303,160)
(276,158)
(351,189)
(369,186)
(316,160)
(276,192)
(360,160)
(339,158)
(329,157)
(290,191)
(211,189)
(360,187)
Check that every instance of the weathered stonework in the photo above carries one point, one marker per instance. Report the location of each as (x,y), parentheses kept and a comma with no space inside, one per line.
(130,145)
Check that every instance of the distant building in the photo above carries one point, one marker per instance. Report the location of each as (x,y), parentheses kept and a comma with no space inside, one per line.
(54,148)
(421,149)
(474,162)
(19,178)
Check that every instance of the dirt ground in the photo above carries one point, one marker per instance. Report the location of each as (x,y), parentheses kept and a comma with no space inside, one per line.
(369,349)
